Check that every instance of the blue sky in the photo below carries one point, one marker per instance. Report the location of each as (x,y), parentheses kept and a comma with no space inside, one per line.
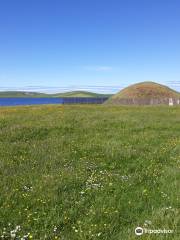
(100,45)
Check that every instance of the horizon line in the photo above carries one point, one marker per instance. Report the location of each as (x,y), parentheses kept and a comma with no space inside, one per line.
(104,89)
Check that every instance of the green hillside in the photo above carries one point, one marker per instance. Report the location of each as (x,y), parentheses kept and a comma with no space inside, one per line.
(81,94)
(22,94)
(65,94)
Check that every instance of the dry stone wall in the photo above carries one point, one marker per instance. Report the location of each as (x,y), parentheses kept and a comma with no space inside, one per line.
(131,101)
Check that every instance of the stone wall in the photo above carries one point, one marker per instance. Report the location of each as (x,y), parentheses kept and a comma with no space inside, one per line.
(163,101)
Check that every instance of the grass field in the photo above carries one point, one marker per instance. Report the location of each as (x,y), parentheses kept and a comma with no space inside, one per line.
(89,172)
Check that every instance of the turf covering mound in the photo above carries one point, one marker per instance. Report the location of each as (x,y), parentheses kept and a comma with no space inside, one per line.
(145,93)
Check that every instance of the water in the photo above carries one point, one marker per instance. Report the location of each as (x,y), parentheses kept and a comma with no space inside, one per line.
(37,101)
(29,101)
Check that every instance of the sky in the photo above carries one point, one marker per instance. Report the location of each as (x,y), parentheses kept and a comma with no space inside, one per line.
(98,45)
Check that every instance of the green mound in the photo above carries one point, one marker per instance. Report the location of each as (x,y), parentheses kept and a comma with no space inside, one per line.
(145,93)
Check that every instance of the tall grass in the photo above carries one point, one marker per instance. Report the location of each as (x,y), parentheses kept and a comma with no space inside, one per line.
(89,172)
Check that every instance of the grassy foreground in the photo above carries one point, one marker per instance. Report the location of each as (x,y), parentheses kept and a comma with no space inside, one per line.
(89,172)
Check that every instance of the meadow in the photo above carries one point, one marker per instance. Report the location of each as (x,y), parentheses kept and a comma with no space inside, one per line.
(88,172)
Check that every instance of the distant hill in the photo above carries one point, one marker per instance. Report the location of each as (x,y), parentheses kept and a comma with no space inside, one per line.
(81,94)
(145,93)
(39,95)
(22,94)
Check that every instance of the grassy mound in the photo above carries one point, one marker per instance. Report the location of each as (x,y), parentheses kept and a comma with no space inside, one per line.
(144,91)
